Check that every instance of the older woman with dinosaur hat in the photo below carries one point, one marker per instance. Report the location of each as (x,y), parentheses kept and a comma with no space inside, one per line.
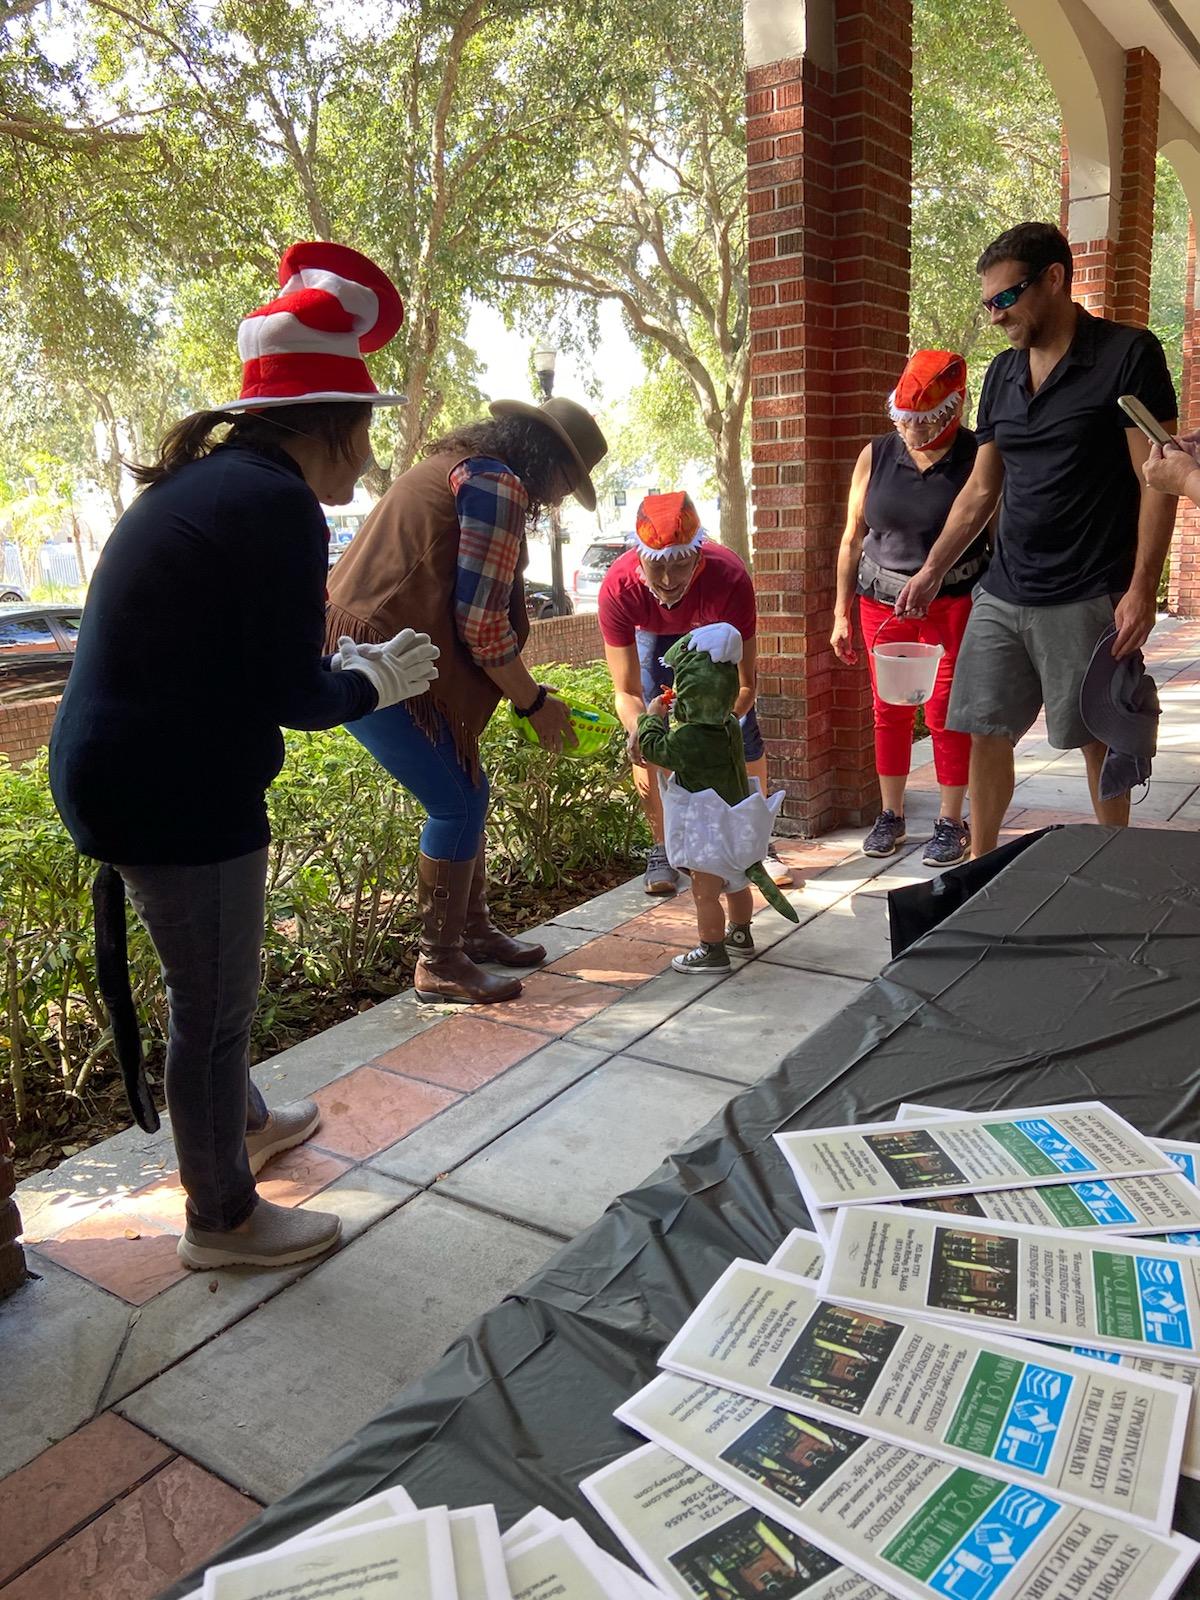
(447,543)
(202,637)
(903,486)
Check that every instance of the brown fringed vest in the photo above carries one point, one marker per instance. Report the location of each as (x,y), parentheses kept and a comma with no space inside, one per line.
(401,572)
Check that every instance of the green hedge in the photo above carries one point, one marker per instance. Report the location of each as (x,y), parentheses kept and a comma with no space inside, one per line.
(340,906)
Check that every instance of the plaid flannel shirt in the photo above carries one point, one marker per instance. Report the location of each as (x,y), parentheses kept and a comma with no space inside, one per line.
(491,503)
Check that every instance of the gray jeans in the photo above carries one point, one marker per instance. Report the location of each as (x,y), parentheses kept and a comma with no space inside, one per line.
(206,923)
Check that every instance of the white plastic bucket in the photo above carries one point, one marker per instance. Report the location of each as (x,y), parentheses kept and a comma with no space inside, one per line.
(905,672)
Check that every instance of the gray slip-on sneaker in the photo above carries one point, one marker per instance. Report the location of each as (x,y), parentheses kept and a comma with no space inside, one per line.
(661,877)
(288,1126)
(276,1237)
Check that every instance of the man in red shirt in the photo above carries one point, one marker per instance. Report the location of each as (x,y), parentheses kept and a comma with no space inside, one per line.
(671,581)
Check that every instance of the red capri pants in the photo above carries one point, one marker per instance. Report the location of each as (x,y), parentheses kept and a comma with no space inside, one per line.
(944,624)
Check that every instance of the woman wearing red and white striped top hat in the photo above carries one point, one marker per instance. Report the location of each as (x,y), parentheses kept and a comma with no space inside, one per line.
(201,638)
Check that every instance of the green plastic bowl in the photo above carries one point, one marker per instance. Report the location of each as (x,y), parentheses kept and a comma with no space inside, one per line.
(593,729)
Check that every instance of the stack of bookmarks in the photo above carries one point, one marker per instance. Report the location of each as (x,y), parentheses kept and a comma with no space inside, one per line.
(973,1381)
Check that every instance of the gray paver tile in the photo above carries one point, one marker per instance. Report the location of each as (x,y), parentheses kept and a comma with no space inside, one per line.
(602,1136)
(608,911)
(559,938)
(267,1401)
(183,1317)
(851,939)
(60,1337)
(750,1022)
(1046,792)
(619,1025)
(52,1201)
(475,1121)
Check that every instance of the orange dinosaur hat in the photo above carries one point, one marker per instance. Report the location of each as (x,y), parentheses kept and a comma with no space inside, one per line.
(667,525)
(932,388)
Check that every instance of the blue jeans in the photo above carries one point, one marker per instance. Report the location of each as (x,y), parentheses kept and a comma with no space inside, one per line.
(432,772)
(651,647)
(206,924)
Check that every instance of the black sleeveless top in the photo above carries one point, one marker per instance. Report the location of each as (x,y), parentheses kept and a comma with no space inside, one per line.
(906,508)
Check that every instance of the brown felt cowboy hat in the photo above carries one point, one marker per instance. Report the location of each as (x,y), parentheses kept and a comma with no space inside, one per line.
(574,427)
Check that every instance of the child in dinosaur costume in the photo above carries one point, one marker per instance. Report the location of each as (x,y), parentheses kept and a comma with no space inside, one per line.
(715,827)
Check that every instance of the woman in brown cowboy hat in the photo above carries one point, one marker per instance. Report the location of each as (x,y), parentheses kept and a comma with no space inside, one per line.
(447,543)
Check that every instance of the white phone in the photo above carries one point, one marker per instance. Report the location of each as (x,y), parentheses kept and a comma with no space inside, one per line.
(1140,417)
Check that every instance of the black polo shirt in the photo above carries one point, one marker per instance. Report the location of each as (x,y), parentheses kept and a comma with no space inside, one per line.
(1069,514)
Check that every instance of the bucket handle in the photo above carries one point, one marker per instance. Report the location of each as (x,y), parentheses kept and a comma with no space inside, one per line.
(891,617)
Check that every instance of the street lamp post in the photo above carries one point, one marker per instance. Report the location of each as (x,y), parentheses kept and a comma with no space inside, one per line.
(543,364)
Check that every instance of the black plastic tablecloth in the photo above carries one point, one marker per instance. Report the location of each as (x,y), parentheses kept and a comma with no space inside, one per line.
(1073,975)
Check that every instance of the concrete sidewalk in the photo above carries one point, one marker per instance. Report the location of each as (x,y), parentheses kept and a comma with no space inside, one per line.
(162,1407)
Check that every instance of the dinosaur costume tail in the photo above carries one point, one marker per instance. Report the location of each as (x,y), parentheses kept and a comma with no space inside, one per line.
(758,877)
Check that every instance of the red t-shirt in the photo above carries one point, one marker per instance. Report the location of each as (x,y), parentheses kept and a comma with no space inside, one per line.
(722,591)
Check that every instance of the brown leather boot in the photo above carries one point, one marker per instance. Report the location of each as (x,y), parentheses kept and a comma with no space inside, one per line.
(445,972)
(482,940)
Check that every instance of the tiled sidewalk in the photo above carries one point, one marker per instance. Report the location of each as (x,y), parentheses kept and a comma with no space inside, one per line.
(147,1410)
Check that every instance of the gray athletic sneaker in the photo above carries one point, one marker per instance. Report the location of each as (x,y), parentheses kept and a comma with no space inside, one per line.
(951,843)
(277,1237)
(739,940)
(704,958)
(288,1126)
(661,877)
(888,833)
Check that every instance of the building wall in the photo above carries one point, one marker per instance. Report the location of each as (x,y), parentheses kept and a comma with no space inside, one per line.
(25,727)
(573,640)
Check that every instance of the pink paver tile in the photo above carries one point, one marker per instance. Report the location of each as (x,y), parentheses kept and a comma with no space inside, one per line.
(553,1003)
(462,1053)
(130,1256)
(45,1217)
(617,958)
(670,923)
(142,1544)
(293,1176)
(69,1484)
(368,1110)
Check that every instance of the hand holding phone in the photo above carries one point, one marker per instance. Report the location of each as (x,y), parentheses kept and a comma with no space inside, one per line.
(1141,418)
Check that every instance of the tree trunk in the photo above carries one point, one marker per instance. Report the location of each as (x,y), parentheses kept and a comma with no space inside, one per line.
(731,486)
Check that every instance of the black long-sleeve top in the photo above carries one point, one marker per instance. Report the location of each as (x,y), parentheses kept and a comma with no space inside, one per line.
(201,637)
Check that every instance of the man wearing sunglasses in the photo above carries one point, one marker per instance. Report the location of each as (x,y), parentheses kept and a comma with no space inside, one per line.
(1080,543)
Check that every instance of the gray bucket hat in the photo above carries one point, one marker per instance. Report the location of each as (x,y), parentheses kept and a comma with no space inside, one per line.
(1118,701)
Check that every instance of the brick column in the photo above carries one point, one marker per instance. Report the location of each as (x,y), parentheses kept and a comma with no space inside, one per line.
(1183,586)
(1112,273)
(829,174)
(1139,147)
(12,1257)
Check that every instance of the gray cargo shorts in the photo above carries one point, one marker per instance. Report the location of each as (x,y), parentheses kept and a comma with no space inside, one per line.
(1015,659)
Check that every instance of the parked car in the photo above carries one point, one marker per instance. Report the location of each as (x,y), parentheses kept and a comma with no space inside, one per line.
(10,592)
(597,559)
(539,601)
(343,525)
(339,543)
(37,644)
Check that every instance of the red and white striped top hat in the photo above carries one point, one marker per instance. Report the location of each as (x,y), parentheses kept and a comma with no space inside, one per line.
(308,345)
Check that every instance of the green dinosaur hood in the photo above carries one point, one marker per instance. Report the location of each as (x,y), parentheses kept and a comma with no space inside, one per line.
(705,690)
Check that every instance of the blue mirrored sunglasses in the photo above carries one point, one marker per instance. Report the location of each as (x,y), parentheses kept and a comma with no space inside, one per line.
(1009,297)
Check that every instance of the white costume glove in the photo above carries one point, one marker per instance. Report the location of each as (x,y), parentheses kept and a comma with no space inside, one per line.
(720,640)
(400,669)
